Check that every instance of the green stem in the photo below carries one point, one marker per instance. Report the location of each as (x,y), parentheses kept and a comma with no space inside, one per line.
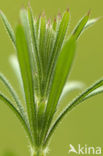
(38,152)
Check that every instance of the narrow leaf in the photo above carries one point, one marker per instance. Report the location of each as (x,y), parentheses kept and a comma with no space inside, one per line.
(93,90)
(61,32)
(60,76)
(26,72)
(37,27)
(13,93)
(16,112)
(80,26)
(15,66)
(29,22)
(8,27)
(16,99)
(25,23)
(42,32)
(91,22)
(49,43)
(59,40)
(71,86)
(55,24)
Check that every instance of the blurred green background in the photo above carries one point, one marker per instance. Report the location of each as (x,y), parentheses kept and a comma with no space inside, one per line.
(84,124)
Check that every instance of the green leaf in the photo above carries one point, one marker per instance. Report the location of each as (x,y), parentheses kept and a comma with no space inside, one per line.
(95,92)
(61,73)
(25,23)
(69,87)
(16,112)
(35,52)
(37,27)
(55,24)
(8,27)
(16,99)
(42,32)
(59,40)
(80,26)
(50,40)
(91,91)
(91,22)
(39,55)
(26,72)
(15,66)
(60,36)
(33,30)
(49,44)
(13,93)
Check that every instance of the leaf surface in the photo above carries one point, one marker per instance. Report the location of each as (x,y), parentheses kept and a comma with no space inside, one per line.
(91,22)
(26,72)
(8,27)
(80,26)
(59,40)
(91,91)
(61,72)
(16,112)
(69,87)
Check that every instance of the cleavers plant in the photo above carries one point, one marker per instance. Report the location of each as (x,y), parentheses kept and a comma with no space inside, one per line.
(44,56)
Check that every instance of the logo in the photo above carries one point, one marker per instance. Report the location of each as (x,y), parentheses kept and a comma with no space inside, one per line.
(82,150)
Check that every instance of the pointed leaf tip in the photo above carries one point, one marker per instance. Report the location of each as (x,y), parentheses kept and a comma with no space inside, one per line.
(49,22)
(29,5)
(54,19)
(23,6)
(8,27)
(67,9)
(59,15)
(89,12)
(80,26)
(43,14)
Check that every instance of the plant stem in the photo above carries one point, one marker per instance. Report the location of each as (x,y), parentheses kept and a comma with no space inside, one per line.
(38,152)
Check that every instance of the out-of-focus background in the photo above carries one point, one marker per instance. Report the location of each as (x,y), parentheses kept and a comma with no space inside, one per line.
(84,124)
